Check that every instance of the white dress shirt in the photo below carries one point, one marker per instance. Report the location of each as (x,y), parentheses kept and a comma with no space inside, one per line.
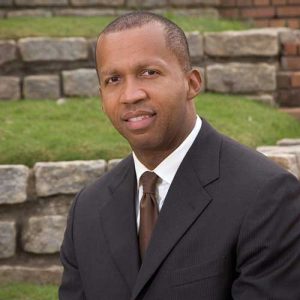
(166,170)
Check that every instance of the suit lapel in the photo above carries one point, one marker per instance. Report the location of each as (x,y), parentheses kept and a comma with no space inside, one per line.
(118,219)
(185,201)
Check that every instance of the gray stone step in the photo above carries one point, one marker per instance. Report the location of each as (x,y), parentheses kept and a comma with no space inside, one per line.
(34,274)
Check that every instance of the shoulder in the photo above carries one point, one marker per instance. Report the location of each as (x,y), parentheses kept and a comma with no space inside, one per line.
(254,179)
(232,163)
(249,162)
(241,171)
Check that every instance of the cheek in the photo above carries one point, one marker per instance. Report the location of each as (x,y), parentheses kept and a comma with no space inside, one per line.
(109,103)
(111,112)
(110,98)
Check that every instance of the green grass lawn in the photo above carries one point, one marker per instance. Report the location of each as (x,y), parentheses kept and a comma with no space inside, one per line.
(25,291)
(91,26)
(42,130)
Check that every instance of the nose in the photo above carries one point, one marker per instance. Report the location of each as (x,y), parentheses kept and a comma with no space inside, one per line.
(132,91)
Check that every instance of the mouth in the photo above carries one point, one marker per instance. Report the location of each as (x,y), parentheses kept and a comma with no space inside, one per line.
(139,120)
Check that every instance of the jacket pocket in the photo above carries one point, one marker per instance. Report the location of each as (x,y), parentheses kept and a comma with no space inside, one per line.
(198,272)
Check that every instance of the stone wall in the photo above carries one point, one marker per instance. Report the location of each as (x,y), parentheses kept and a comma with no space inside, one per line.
(34,204)
(33,212)
(289,73)
(48,8)
(245,62)
(264,13)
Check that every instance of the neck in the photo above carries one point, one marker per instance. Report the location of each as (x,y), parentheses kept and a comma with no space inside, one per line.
(151,159)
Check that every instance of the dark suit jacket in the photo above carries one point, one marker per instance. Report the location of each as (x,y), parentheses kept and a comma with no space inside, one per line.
(229,229)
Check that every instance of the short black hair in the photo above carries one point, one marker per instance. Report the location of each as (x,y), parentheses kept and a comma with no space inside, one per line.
(175,38)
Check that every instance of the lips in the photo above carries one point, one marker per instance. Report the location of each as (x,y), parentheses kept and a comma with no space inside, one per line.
(139,120)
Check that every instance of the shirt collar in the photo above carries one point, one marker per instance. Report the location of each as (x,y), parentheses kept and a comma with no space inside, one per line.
(167,169)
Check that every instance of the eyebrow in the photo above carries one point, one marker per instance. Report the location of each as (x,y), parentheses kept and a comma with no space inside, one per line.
(139,66)
(109,72)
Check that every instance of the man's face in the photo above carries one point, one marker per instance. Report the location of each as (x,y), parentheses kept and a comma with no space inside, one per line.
(144,90)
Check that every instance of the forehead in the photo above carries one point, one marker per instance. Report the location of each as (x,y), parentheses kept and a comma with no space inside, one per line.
(146,42)
(143,33)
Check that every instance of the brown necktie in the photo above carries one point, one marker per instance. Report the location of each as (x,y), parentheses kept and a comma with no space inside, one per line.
(148,210)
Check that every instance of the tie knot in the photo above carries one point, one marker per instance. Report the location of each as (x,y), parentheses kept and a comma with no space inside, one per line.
(148,181)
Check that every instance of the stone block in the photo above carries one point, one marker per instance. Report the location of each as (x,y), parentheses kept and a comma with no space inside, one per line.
(263,98)
(290,63)
(275,150)
(54,205)
(7,239)
(289,36)
(41,2)
(41,87)
(112,163)
(288,142)
(289,48)
(92,46)
(146,3)
(195,41)
(97,2)
(122,11)
(66,177)
(13,183)
(294,149)
(289,97)
(6,3)
(194,2)
(256,42)
(295,78)
(43,234)
(36,275)
(8,51)
(29,13)
(241,78)
(285,160)
(87,12)
(284,80)
(57,49)
(10,88)
(81,82)
(201,12)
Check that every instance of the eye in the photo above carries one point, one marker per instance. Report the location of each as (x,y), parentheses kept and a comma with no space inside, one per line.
(112,80)
(149,72)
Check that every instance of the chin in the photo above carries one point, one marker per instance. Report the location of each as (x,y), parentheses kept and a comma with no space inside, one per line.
(143,145)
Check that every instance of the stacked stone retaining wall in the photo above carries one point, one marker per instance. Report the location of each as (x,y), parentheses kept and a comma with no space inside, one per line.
(289,72)
(34,204)
(264,13)
(33,210)
(244,62)
(48,8)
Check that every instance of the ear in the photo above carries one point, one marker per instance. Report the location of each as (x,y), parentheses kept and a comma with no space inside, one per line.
(194,82)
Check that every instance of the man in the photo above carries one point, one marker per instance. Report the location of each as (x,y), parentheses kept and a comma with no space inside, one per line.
(220,222)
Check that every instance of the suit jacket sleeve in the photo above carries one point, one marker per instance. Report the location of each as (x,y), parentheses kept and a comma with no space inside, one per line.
(71,286)
(268,251)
